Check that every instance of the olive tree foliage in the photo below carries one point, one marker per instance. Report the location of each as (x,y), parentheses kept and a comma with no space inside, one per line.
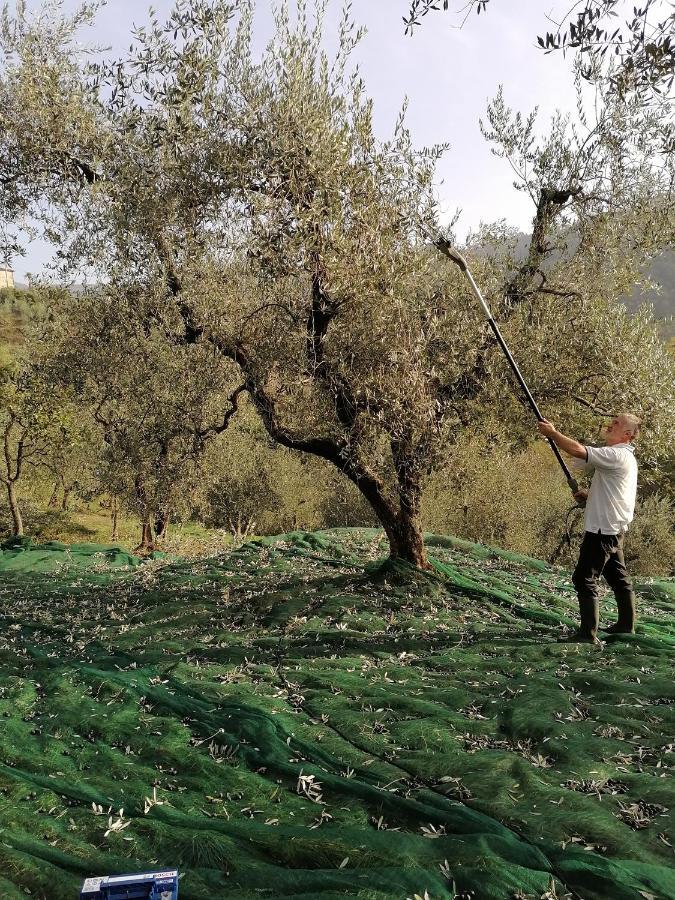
(358,335)
(119,162)
(254,485)
(66,458)
(603,205)
(38,427)
(122,184)
(492,493)
(21,439)
(32,171)
(69,465)
(156,405)
(225,168)
(258,218)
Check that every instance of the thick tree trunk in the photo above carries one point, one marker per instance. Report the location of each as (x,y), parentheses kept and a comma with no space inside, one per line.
(17,521)
(406,540)
(66,498)
(403,526)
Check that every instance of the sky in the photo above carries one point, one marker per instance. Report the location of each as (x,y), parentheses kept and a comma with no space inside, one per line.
(447,73)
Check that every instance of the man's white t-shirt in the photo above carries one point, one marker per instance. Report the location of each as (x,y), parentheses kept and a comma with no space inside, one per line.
(611,498)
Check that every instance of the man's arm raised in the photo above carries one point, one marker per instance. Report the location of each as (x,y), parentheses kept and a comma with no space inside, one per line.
(566,444)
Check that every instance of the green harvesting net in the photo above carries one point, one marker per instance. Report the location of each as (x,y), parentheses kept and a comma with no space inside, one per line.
(289,720)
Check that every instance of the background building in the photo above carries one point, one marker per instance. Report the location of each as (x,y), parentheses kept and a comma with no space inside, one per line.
(6,276)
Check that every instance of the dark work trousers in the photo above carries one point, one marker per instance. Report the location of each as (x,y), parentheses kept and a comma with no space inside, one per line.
(602,554)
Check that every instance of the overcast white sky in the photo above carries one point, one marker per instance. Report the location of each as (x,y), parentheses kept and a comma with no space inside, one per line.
(448,75)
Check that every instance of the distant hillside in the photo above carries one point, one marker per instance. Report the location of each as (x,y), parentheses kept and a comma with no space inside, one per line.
(662,272)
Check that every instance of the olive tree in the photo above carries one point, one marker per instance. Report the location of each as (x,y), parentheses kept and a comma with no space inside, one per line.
(278,232)
(38,424)
(156,405)
(126,191)
(34,419)
(16,449)
(357,346)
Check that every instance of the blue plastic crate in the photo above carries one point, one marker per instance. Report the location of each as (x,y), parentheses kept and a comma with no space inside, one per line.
(146,886)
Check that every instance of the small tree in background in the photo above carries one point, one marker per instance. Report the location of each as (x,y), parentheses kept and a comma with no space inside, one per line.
(155,406)
(650,544)
(37,423)
(34,421)
(253,484)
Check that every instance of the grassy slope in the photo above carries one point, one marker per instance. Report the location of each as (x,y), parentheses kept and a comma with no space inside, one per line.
(277,722)
(92,524)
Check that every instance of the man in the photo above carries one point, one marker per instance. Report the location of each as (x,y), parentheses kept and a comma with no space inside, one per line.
(610,503)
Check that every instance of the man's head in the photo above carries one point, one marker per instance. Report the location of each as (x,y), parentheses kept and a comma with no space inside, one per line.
(623,429)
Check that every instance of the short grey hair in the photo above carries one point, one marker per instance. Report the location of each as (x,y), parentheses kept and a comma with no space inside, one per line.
(632,423)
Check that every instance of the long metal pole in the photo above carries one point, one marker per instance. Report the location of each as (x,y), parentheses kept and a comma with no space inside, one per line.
(444,247)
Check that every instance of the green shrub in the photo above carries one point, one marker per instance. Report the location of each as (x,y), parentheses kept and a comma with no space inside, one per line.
(650,543)
(517,501)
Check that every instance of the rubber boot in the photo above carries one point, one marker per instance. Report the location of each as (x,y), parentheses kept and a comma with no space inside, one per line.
(626,620)
(589,611)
